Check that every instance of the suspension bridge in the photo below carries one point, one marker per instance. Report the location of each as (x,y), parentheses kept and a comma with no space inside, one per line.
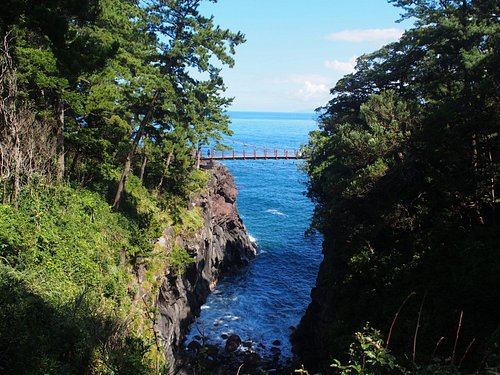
(254,152)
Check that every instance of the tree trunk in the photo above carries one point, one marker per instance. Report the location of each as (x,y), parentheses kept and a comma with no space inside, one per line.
(123,180)
(198,158)
(143,167)
(167,164)
(492,182)
(17,169)
(131,153)
(72,170)
(59,111)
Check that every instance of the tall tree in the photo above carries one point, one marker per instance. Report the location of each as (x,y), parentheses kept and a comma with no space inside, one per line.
(186,41)
(56,45)
(404,171)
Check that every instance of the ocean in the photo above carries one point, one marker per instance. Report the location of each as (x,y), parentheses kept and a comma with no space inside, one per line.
(264,301)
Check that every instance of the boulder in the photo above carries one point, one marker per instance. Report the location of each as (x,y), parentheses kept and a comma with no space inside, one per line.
(194,346)
(247,344)
(232,343)
(212,350)
(252,360)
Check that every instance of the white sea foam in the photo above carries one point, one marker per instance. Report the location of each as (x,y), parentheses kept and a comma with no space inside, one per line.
(252,238)
(275,212)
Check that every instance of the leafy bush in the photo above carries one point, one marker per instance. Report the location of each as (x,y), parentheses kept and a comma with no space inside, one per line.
(188,221)
(367,355)
(197,181)
(64,290)
(179,259)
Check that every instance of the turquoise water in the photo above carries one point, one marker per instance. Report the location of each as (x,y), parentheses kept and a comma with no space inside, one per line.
(265,299)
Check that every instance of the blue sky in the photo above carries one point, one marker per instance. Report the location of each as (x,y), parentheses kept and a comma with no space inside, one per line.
(297,49)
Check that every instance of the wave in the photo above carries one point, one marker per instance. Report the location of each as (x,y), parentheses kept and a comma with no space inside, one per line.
(275,212)
(231,317)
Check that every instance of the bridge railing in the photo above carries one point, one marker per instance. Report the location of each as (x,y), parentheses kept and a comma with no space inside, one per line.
(255,154)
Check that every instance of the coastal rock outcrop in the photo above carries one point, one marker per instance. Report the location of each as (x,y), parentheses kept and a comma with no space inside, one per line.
(222,245)
(310,339)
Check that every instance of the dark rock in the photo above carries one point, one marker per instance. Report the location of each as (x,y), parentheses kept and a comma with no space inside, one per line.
(224,336)
(220,246)
(275,350)
(194,346)
(220,371)
(210,364)
(276,342)
(212,350)
(232,343)
(247,344)
(252,360)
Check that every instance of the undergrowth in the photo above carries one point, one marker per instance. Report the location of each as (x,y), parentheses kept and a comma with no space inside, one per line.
(67,288)
(71,297)
(179,259)
(369,354)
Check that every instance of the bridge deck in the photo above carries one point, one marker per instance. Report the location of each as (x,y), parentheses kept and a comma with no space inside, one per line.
(251,157)
(256,154)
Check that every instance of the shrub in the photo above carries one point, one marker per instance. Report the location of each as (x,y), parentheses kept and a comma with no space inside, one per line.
(179,259)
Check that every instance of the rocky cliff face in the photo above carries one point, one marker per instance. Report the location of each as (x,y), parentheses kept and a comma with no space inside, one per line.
(312,340)
(221,246)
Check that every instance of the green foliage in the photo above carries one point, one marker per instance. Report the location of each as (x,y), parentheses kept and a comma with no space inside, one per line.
(64,288)
(179,259)
(404,173)
(188,221)
(198,181)
(140,200)
(101,96)
(367,355)
(68,235)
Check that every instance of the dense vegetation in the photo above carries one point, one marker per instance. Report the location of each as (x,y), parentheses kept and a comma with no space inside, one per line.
(404,171)
(104,103)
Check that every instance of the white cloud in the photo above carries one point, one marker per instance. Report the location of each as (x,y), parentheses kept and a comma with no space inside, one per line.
(311,91)
(301,78)
(310,87)
(367,35)
(342,66)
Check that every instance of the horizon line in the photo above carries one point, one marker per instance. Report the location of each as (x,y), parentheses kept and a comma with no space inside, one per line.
(267,111)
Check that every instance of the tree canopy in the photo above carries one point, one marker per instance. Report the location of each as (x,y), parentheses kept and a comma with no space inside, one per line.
(404,172)
(104,75)
(103,102)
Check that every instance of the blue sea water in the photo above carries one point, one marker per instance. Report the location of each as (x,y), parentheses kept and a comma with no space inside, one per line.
(263,301)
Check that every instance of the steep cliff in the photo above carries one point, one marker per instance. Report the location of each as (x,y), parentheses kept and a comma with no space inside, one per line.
(313,339)
(222,245)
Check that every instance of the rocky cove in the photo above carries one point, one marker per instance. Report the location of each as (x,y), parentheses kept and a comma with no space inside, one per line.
(220,247)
